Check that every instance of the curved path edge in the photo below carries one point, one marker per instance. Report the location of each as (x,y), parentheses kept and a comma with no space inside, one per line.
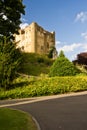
(38,99)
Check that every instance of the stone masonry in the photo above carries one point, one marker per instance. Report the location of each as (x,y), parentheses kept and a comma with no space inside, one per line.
(35,39)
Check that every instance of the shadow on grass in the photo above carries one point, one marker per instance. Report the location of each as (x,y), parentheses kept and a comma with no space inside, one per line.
(21,84)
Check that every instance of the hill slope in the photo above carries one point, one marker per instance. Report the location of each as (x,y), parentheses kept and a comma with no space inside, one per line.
(35,64)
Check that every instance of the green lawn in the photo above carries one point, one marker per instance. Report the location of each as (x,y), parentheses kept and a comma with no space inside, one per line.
(15,120)
(35,64)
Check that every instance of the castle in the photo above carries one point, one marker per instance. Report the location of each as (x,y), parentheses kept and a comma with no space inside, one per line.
(35,39)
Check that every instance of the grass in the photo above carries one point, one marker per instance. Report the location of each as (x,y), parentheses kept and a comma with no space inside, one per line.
(24,86)
(15,120)
(35,64)
(40,84)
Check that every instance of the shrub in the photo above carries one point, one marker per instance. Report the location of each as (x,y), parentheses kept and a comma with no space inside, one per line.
(9,62)
(40,60)
(63,67)
(47,86)
(51,51)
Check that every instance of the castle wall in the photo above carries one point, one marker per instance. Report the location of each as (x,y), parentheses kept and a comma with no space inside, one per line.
(35,39)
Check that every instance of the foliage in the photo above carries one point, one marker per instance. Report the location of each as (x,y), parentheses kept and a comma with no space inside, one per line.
(63,67)
(29,87)
(82,68)
(15,120)
(52,49)
(10,14)
(61,54)
(10,59)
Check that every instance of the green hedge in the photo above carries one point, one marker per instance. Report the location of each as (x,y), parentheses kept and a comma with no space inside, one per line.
(45,86)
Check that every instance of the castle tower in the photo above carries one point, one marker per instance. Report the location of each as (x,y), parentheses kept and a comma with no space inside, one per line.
(35,39)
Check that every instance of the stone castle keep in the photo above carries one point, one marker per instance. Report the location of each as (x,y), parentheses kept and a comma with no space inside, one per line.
(35,39)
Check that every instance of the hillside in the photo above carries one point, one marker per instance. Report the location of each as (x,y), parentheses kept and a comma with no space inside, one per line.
(35,64)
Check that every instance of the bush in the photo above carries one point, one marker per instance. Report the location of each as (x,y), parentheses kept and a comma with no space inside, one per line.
(40,60)
(9,62)
(63,67)
(31,87)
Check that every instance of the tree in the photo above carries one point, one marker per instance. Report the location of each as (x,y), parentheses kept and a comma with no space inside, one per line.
(63,67)
(10,14)
(61,54)
(10,59)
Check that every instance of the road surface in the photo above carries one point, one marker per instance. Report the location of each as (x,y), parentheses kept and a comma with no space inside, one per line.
(66,113)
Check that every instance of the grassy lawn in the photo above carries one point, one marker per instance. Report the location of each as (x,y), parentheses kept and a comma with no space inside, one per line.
(15,120)
(35,64)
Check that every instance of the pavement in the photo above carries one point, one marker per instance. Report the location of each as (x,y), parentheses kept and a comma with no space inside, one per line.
(13,102)
(58,112)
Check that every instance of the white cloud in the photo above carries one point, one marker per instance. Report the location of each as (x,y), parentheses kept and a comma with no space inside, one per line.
(58,42)
(23,19)
(69,48)
(23,25)
(82,16)
(84,35)
(84,46)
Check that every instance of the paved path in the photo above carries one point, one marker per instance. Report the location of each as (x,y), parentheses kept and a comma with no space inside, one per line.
(65,113)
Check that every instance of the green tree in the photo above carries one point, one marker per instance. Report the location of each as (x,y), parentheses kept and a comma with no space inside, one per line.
(10,14)
(63,67)
(61,54)
(10,59)
(10,19)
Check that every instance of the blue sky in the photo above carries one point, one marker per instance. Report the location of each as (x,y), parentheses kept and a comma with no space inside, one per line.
(68,18)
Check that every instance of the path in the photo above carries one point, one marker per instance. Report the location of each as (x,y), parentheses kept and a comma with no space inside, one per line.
(66,113)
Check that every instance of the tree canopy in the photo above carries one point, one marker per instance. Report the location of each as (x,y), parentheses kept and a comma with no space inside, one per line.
(10,14)
(10,56)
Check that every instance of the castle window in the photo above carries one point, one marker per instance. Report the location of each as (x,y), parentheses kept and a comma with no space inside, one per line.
(47,45)
(42,47)
(22,31)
